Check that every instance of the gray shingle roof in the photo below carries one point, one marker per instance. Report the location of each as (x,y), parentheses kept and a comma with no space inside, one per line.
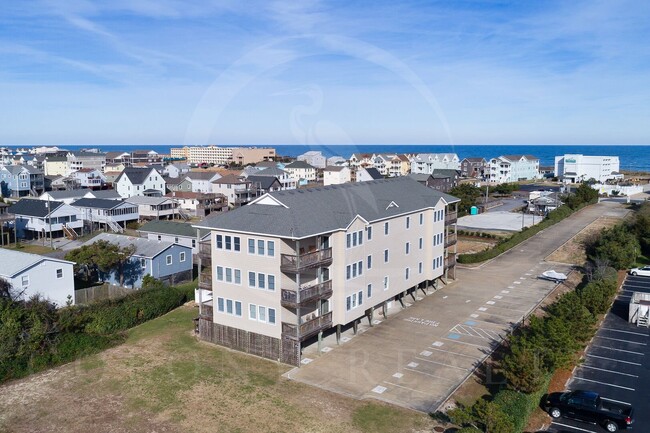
(310,211)
(73,193)
(136,175)
(143,247)
(14,262)
(97,203)
(299,164)
(264,182)
(170,228)
(374,173)
(34,207)
(106,194)
(201,175)
(271,171)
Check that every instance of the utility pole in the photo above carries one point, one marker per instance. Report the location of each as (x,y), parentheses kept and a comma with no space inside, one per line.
(49,219)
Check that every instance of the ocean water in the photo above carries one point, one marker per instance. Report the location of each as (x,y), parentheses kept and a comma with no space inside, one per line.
(632,157)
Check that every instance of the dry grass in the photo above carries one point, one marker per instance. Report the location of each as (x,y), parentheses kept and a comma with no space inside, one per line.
(573,251)
(471,246)
(164,380)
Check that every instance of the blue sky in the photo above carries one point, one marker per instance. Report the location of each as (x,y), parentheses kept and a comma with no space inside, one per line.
(330,72)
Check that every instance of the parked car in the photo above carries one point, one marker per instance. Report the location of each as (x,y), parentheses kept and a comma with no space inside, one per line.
(590,407)
(644,271)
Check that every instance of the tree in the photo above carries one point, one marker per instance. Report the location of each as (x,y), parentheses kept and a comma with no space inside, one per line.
(506,188)
(522,365)
(618,246)
(482,416)
(468,195)
(101,255)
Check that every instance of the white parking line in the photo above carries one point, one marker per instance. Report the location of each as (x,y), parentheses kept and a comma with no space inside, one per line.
(443,364)
(608,371)
(603,383)
(612,359)
(572,427)
(618,339)
(618,350)
(429,374)
(406,387)
(469,344)
(626,332)
(456,353)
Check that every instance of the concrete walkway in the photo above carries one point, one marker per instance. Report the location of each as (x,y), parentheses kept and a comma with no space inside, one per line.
(418,356)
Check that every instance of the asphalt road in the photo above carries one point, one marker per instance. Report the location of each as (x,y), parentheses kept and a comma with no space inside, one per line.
(616,364)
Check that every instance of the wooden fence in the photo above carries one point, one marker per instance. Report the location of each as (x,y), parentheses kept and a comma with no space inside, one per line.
(98,293)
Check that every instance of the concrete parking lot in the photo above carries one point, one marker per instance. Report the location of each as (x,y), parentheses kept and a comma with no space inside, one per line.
(616,364)
(418,356)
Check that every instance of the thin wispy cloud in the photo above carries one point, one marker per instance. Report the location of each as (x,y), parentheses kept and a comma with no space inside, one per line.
(178,71)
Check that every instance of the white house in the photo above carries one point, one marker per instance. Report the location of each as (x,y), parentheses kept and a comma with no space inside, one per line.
(287,181)
(574,168)
(172,231)
(140,182)
(202,180)
(113,214)
(89,178)
(336,161)
(314,158)
(39,218)
(32,274)
(513,168)
(428,162)
(336,175)
(368,174)
(301,171)
(238,191)
(176,170)
(360,160)
(155,207)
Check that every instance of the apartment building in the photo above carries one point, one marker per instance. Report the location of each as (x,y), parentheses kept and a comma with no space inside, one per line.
(513,168)
(428,162)
(575,168)
(251,155)
(293,265)
(223,155)
(80,160)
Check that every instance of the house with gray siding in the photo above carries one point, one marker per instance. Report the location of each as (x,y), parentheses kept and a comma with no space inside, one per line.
(165,261)
(20,181)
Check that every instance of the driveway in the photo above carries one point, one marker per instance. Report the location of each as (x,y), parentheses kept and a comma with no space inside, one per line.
(420,355)
(617,363)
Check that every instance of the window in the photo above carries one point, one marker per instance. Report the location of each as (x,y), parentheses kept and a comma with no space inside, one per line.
(385,228)
(219,242)
(421,243)
(237,308)
(229,242)
(251,279)
(193,243)
(421,219)
(159,238)
(237,276)
(260,247)
(369,233)
(348,240)
(408,222)
(360,267)
(369,264)
(348,272)
(237,240)
(251,246)
(420,268)
(360,296)
(369,294)
(407,248)
(59,273)
(143,263)
(354,239)
(219,273)
(271,282)
(182,256)
(360,237)
(228,275)
(406,273)
(261,281)
(168,259)
(175,240)
(386,282)
(262,314)
(385,256)
(348,303)
(270,248)
(252,311)
(272,316)
(229,306)
(220,304)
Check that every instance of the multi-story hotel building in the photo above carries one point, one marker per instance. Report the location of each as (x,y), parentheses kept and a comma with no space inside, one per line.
(295,264)
(223,155)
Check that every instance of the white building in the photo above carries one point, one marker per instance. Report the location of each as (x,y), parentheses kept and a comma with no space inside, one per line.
(202,180)
(109,214)
(337,161)
(314,158)
(82,159)
(139,181)
(513,168)
(293,264)
(336,175)
(574,168)
(428,162)
(301,171)
(32,274)
(39,218)
(88,178)
(151,208)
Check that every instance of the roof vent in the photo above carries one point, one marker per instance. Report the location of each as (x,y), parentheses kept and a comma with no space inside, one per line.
(391,204)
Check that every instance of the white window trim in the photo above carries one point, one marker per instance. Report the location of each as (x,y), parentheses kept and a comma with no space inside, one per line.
(169,260)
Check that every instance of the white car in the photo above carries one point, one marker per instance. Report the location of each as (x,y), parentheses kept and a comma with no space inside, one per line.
(644,271)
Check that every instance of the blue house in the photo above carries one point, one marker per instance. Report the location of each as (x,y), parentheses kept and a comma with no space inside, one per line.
(165,261)
(21,180)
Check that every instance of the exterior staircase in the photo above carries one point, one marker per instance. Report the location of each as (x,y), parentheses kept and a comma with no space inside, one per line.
(114,225)
(70,233)
(642,321)
(33,192)
(183,214)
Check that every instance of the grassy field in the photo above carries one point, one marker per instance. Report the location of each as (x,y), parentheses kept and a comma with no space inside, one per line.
(33,249)
(162,379)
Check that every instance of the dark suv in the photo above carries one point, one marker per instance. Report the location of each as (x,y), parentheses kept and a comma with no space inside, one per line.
(590,407)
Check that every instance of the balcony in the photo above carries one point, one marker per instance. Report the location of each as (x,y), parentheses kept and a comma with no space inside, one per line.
(205,252)
(307,329)
(451,217)
(313,259)
(294,299)
(450,262)
(205,279)
(451,239)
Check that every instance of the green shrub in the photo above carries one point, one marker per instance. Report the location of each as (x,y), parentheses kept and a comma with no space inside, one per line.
(519,406)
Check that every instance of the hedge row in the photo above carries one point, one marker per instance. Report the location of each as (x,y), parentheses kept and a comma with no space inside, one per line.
(35,336)
(552,218)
